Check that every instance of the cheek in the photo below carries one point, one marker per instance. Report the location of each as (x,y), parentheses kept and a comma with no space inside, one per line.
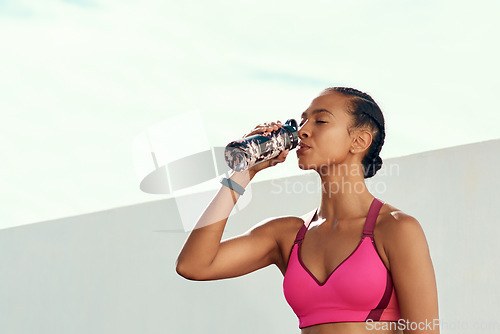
(334,143)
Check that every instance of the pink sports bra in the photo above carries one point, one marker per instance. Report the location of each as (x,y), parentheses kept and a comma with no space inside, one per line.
(360,288)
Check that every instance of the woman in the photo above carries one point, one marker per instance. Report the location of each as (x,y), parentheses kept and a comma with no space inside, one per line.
(353,265)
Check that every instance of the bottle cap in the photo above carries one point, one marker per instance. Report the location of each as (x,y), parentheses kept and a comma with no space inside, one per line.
(291,126)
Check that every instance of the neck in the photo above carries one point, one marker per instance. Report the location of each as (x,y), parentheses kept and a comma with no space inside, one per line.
(344,194)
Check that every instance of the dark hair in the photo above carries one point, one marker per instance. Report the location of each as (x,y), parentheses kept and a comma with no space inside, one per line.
(365,113)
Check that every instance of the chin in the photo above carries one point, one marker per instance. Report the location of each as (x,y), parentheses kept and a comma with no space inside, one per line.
(304,165)
(307,164)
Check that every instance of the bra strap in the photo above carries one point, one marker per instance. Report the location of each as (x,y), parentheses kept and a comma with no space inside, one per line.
(303,229)
(371,218)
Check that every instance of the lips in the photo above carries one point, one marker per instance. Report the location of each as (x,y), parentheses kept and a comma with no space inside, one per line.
(302,145)
(302,148)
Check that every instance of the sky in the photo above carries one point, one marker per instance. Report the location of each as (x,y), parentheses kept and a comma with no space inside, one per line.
(81,79)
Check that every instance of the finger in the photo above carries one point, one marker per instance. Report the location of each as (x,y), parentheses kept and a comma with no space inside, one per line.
(280,158)
(273,126)
(256,130)
(264,127)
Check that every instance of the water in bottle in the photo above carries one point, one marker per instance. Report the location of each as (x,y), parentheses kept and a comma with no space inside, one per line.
(244,153)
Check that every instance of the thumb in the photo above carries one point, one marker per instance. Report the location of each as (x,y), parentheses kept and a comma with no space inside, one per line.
(283,155)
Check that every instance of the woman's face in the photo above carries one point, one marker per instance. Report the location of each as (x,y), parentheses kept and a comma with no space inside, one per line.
(324,128)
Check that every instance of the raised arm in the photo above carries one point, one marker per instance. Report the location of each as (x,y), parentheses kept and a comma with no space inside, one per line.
(205,257)
(413,275)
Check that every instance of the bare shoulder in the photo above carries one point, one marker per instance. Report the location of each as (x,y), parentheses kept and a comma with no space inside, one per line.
(282,227)
(393,222)
(283,230)
(399,232)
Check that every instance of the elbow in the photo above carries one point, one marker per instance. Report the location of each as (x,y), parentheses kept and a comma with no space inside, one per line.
(184,271)
(181,269)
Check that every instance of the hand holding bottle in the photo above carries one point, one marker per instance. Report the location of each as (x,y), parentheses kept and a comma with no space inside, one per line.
(266,145)
(267,128)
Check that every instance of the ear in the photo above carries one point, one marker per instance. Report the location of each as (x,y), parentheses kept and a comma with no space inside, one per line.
(361,141)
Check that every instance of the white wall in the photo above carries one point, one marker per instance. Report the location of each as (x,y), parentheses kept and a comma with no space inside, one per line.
(113,271)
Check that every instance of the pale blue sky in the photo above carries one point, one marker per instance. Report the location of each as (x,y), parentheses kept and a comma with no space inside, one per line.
(82,78)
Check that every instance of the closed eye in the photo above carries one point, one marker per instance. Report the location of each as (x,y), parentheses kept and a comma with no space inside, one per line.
(301,123)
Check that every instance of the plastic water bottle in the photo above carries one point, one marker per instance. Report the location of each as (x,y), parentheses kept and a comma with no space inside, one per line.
(243,153)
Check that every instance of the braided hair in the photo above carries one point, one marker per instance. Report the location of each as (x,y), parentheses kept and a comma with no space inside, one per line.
(365,113)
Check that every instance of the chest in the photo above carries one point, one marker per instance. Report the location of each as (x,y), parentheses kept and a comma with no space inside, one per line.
(360,278)
(322,252)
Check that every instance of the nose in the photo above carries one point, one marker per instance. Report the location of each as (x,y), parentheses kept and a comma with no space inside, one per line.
(303,132)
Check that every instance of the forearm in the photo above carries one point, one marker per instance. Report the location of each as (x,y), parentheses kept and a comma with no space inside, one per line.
(203,242)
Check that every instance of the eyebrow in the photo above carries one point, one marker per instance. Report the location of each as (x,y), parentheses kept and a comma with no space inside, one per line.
(304,114)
